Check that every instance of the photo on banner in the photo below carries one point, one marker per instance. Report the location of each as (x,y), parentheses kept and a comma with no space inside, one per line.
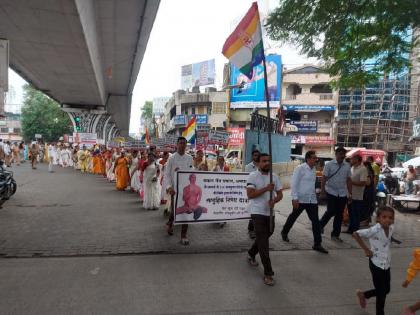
(206,197)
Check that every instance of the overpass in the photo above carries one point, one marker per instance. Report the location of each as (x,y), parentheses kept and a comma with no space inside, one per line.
(85,54)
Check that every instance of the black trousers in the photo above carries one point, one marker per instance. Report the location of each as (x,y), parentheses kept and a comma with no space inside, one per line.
(312,212)
(250,226)
(382,283)
(184,227)
(335,208)
(261,245)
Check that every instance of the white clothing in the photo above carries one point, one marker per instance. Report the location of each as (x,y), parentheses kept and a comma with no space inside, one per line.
(251,167)
(65,157)
(303,184)
(379,244)
(6,149)
(135,179)
(175,163)
(151,187)
(257,180)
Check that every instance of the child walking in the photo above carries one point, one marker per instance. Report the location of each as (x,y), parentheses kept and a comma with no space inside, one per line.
(379,255)
(412,271)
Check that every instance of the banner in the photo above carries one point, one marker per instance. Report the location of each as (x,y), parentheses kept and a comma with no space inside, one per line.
(252,95)
(313,140)
(309,126)
(205,197)
(218,137)
(198,74)
(85,138)
(236,136)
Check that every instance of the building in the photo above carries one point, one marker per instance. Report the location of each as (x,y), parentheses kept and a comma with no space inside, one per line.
(310,110)
(209,108)
(159,105)
(10,126)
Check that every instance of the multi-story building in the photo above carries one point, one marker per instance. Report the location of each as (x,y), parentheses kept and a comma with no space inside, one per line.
(10,126)
(209,108)
(310,110)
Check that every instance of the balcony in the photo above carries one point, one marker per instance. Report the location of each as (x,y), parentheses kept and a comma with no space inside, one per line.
(310,99)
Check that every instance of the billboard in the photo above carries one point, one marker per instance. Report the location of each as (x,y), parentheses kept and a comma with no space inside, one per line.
(252,95)
(159,104)
(198,74)
(85,138)
(236,136)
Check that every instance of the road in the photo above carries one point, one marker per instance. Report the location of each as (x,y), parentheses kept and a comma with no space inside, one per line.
(72,244)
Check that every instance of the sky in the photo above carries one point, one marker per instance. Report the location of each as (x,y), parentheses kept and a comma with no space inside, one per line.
(185,32)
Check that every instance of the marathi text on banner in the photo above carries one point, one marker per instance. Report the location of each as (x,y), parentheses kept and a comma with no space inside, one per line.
(205,197)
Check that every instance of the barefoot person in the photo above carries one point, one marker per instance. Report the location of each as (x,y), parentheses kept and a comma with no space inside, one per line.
(412,271)
(179,161)
(379,254)
(258,189)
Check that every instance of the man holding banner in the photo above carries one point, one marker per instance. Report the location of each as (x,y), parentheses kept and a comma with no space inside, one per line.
(179,161)
(258,190)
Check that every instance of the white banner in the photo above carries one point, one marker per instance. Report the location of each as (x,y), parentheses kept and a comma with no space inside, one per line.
(218,137)
(206,197)
(85,138)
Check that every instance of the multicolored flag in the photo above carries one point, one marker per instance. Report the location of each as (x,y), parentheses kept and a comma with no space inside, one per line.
(189,131)
(244,47)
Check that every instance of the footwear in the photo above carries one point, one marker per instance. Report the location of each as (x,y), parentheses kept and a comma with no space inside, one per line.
(284,237)
(336,239)
(169,229)
(407,311)
(252,234)
(184,241)
(320,249)
(252,261)
(268,280)
(222,225)
(362,298)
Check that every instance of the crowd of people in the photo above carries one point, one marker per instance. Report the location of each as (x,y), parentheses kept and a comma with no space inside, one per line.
(347,186)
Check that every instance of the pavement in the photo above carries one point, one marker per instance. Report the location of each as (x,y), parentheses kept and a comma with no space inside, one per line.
(72,244)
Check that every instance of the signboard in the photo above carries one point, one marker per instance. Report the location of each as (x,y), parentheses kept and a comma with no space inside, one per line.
(201,119)
(252,95)
(85,138)
(313,140)
(309,108)
(236,136)
(206,197)
(198,74)
(218,137)
(309,126)
(4,65)
(38,136)
(179,120)
(203,127)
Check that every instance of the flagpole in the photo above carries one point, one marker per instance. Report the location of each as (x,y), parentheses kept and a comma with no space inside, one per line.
(270,150)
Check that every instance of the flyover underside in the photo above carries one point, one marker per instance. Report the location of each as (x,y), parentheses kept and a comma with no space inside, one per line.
(85,54)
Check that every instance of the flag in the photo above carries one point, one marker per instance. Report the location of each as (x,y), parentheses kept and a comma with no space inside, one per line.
(244,47)
(147,136)
(189,131)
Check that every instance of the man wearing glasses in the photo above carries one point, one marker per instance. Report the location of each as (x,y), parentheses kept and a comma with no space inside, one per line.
(304,198)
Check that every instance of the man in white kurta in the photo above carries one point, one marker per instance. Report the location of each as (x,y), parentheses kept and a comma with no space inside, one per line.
(179,161)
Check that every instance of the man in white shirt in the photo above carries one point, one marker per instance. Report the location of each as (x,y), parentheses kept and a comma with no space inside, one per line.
(336,186)
(179,161)
(258,191)
(304,198)
(249,168)
(8,153)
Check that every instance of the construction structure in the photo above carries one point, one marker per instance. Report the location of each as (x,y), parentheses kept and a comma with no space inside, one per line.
(379,116)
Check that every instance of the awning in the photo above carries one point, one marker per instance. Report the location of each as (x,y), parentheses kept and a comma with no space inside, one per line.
(309,108)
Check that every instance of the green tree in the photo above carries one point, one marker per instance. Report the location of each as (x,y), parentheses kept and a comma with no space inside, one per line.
(147,114)
(42,115)
(359,40)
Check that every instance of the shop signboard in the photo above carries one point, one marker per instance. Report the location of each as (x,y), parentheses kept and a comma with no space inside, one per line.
(236,136)
(312,140)
(309,108)
(309,126)
(201,119)
(179,120)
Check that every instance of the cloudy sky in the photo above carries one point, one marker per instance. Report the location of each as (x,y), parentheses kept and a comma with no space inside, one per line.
(185,32)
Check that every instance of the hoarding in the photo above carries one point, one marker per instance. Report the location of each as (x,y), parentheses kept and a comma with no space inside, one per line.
(252,95)
(236,136)
(308,126)
(85,138)
(198,74)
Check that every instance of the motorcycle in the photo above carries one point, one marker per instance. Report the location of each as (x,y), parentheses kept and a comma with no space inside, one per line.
(8,184)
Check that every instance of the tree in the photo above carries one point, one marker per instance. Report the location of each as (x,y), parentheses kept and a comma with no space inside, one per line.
(147,114)
(359,40)
(42,115)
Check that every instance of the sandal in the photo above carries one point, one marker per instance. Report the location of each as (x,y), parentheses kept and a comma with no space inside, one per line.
(362,298)
(268,280)
(184,241)
(169,229)
(252,261)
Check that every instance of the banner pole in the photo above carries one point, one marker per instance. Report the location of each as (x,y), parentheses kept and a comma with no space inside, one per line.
(270,150)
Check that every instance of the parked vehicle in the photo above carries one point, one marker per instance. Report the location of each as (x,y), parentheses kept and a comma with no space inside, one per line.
(8,184)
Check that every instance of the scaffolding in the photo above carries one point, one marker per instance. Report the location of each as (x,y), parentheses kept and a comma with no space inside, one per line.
(380,116)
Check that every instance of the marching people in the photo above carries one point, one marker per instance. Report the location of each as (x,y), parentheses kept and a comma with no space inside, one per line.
(221,166)
(379,254)
(162,162)
(412,271)
(304,198)
(359,180)
(50,158)
(249,168)
(151,174)
(179,161)
(258,190)
(409,178)
(122,177)
(336,187)
(34,150)
(199,163)
(8,153)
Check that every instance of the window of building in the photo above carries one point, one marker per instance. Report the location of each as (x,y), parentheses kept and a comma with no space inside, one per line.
(208,110)
(219,108)
(16,130)
(193,110)
(4,130)
(320,88)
